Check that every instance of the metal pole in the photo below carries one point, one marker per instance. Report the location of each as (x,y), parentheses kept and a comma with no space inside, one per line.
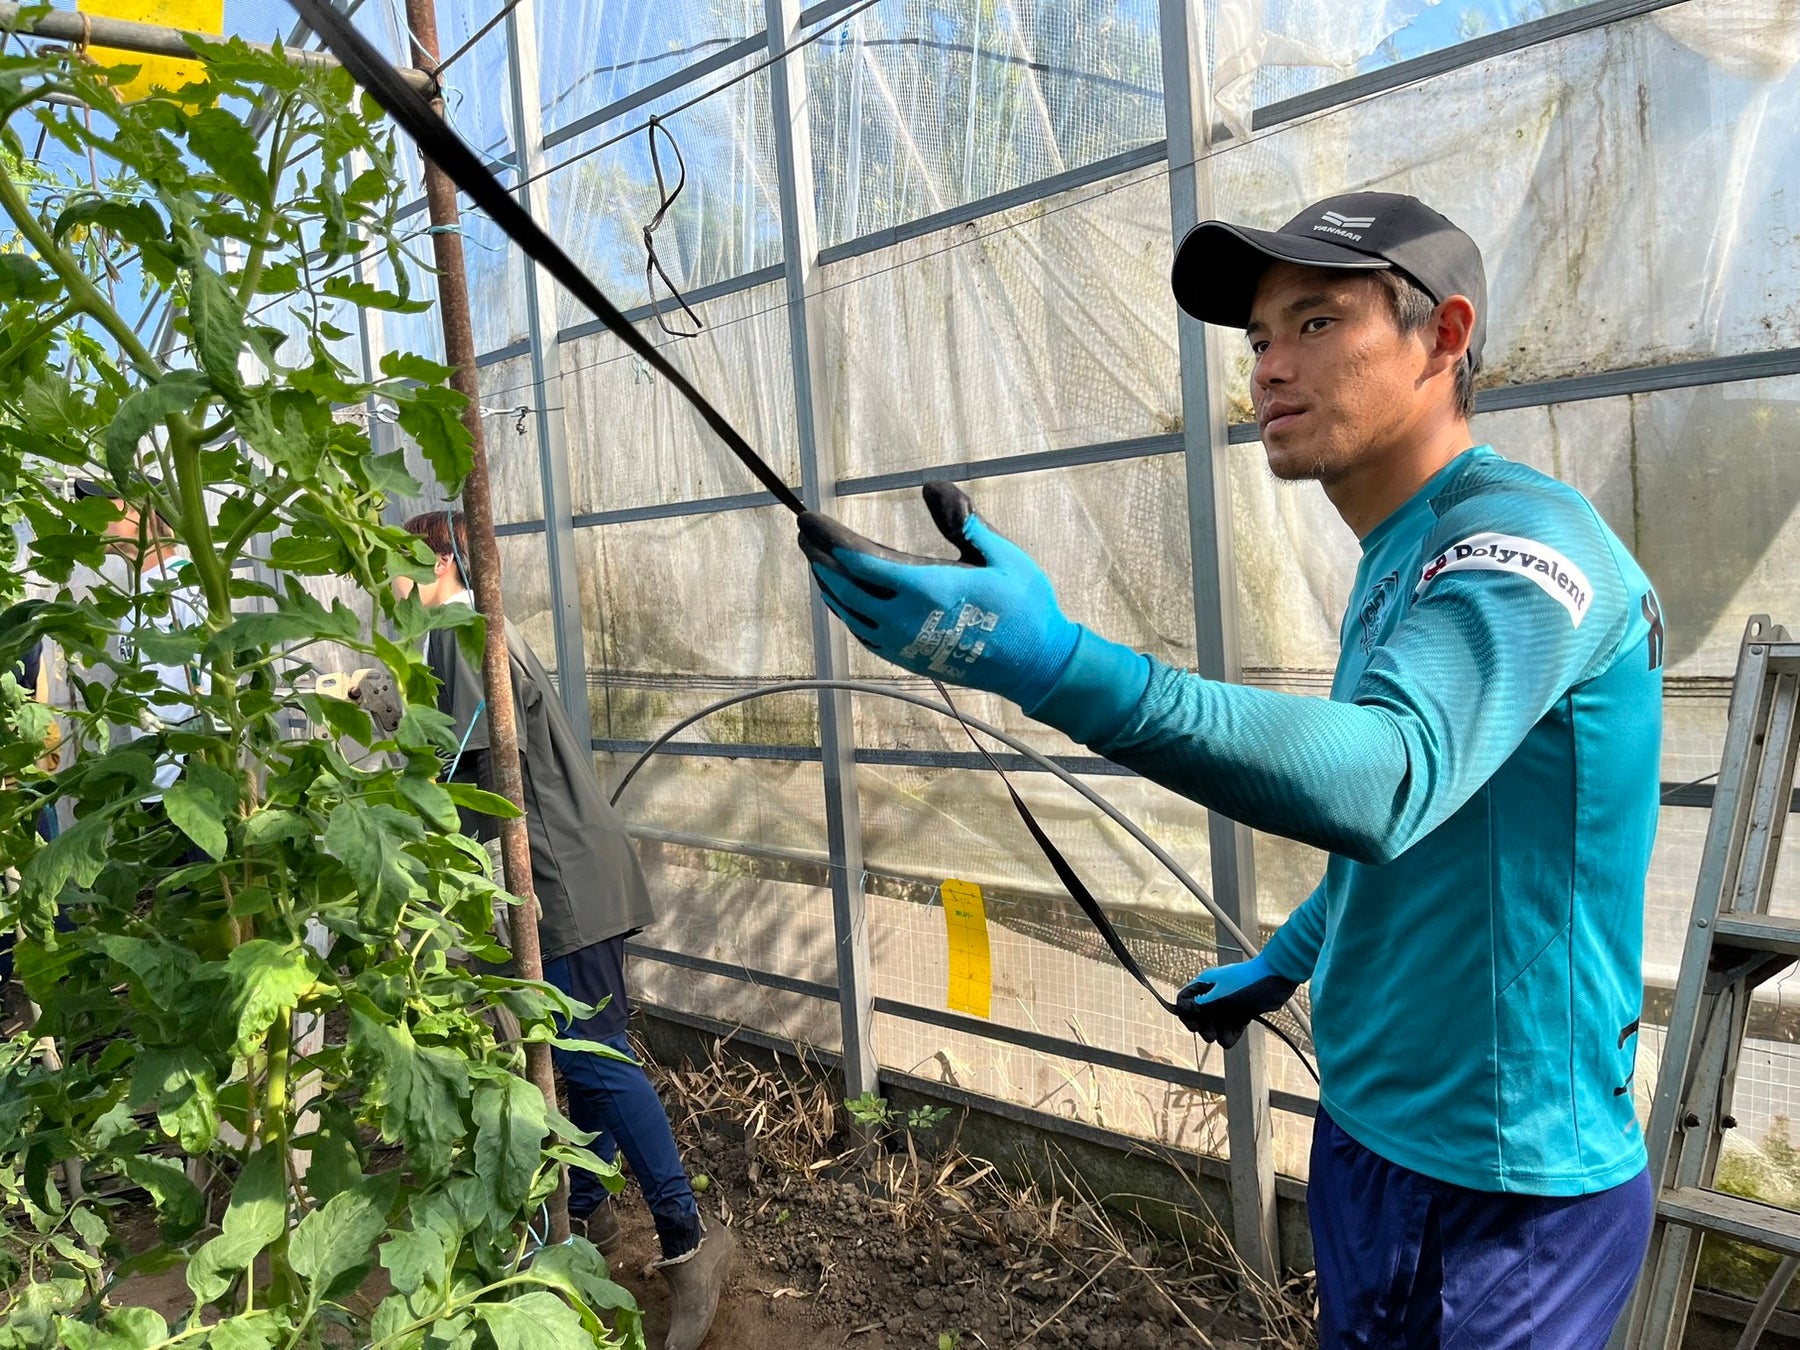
(843,819)
(484,554)
(1187,106)
(149,39)
(546,373)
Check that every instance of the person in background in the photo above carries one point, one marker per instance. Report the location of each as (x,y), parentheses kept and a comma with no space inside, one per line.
(591,897)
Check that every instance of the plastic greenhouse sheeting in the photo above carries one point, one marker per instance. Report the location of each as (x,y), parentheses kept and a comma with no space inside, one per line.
(593,55)
(683,611)
(917,107)
(644,444)
(1625,185)
(1046,327)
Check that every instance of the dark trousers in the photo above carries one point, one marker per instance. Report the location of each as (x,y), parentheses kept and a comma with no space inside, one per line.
(613,1098)
(1406,1262)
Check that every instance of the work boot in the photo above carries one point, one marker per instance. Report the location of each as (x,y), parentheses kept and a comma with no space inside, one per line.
(601,1228)
(696,1279)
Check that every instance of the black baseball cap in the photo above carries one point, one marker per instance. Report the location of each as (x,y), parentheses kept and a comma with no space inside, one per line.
(1219,265)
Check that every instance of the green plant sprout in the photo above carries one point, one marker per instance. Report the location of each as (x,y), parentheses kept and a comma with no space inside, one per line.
(873,1112)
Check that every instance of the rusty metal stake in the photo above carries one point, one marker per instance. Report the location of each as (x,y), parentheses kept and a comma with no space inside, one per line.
(484,555)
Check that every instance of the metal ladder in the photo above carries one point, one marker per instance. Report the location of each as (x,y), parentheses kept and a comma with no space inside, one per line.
(1733,945)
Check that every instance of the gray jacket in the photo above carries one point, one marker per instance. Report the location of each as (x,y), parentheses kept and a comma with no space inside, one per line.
(589,885)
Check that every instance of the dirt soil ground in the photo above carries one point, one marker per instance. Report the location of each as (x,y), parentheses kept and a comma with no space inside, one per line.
(834,1273)
(894,1250)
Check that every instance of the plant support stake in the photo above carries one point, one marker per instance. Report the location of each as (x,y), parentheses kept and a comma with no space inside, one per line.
(484,554)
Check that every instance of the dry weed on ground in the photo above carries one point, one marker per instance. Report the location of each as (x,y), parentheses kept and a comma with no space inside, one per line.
(912,1242)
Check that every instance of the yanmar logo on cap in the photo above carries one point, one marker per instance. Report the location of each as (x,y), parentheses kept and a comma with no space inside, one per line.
(1554,574)
(1347,226)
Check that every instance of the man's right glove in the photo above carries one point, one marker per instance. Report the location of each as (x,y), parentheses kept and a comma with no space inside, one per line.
(1221,1003)
(987,618)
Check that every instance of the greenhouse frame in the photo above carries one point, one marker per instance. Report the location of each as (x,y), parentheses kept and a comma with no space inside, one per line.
(884,280)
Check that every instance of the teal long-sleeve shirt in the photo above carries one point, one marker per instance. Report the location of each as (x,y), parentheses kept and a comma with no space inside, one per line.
(1484,777)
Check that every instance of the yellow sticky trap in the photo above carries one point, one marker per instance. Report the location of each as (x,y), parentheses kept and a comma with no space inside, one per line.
(971,970)
(155,72)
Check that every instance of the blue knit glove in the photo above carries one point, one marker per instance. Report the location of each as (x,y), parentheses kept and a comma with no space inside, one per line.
(1222,1002)
(988,620)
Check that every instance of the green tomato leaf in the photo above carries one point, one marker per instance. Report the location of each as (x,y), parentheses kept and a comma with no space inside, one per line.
(178,391)
(273,824)
(417,1090)
(22,279)
(179,1081)
(538,1320)
(180,1209)
(368,188)
(256,1216)
(411,366)
(218,323)
(267,980)
(76,855)
(168,975)
(135,222)
(339,1237)
(279,279)
(426,726)
(510,1126)
(310,555)
(433,418)
(371,842)
(199,815)
(431,801)
(487,803)
(415,1259)
(578,1268)
(49,400)
(366,296)
(120,1329)
(223,141)
(336,1165)
(247,1331)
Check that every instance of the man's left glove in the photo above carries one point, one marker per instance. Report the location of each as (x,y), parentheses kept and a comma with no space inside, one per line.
(988,620)
(1222,1002)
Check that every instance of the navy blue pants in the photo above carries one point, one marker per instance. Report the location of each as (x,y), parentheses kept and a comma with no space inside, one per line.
(1409,1263)
(614,1099)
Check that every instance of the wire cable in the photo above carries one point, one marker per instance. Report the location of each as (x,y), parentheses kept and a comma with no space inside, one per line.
(653,267)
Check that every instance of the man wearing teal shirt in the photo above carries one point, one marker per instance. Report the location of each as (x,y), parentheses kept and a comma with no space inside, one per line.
(1484,778)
